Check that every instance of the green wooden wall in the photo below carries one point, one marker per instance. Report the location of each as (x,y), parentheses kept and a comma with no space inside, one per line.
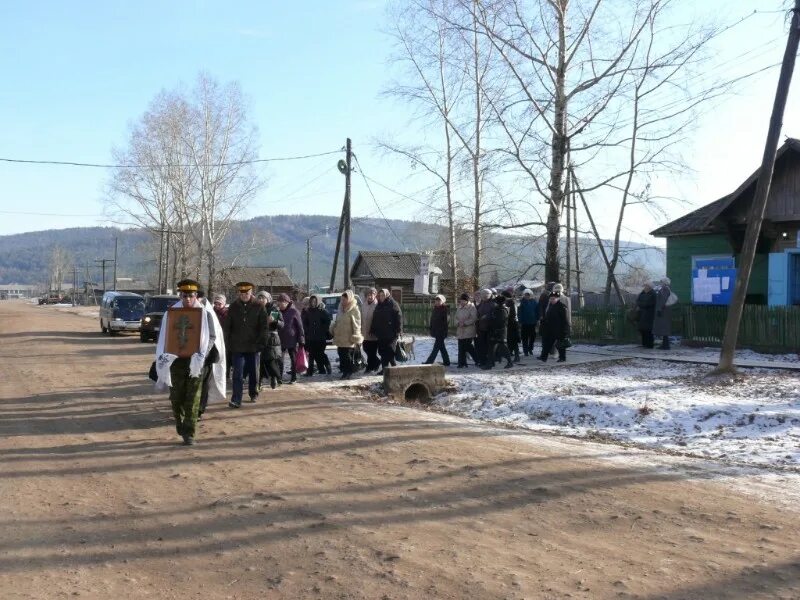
(681,249)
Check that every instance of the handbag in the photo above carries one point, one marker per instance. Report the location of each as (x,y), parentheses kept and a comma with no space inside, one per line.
(400,354)
(359,362)
(563,343)
(301,360)
(153,374)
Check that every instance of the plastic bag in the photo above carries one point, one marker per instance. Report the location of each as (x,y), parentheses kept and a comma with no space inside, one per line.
(673,299)
(563,343)
(400,354)
(301,360)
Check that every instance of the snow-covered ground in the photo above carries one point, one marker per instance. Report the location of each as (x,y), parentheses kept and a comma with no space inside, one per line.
(650,403)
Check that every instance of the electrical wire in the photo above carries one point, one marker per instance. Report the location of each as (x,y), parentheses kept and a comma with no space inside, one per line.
(159,165)
(375,200)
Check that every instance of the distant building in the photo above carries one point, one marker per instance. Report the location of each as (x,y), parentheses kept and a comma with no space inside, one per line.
(396,272)
(275,280)
(704,246)
(10,291)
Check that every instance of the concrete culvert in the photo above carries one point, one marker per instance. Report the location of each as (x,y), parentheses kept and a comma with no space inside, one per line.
(417,392)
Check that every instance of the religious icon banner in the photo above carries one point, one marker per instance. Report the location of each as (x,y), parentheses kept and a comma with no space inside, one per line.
(183,333)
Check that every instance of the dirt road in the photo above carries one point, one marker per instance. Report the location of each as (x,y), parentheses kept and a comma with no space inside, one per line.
(310,495)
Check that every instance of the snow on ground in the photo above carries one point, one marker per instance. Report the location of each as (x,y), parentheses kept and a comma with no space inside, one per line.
(657,404)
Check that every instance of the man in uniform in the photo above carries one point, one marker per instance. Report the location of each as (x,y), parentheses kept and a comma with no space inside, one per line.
(184,376)
(245,331)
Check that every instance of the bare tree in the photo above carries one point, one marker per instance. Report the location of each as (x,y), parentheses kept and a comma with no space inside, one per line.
(57,268)
(188,168)
(576,65)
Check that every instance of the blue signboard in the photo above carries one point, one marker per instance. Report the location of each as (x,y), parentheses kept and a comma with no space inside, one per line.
(713,280)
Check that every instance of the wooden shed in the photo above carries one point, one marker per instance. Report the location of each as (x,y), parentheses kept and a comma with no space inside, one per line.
(395,271)
(714,234)
(275,280)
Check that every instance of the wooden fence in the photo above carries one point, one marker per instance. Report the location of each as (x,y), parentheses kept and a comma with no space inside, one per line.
(763,328)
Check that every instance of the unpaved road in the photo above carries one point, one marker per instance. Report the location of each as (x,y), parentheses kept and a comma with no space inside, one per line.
(309,495)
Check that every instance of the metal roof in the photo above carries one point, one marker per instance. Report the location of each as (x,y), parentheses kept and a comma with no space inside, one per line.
(700,220)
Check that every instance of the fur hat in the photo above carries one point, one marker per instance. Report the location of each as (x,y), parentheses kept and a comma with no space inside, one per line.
(464,296)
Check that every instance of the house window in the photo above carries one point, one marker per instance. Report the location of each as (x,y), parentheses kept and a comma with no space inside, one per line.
(397,294)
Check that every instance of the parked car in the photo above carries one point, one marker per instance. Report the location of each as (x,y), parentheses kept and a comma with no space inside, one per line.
(121,311)
(52,298)
(154,309)
(331,303)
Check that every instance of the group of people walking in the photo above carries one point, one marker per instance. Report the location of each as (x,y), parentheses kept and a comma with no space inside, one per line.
(490,326)
(653,315)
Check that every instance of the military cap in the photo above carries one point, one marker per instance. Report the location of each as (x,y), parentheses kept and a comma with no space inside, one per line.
(188,285)
(244,286)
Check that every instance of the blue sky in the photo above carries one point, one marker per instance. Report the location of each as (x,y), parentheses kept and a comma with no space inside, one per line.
(75,75)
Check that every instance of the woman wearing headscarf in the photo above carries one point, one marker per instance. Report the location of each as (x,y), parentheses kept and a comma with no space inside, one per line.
(292,334)
(512,337)
(485,312)
(466,316)
(555,327)
(498,334)
(387,325)
(662,324)
(347,332)
(316,324)
(646,303)
(438,329)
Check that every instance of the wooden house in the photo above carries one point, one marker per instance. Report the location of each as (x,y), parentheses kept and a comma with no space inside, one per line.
(704,246)
(275,280)
(396,272)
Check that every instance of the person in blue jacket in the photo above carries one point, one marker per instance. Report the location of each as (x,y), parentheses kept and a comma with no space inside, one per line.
(528,315)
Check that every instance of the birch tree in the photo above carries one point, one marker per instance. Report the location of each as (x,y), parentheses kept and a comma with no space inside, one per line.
(188,167)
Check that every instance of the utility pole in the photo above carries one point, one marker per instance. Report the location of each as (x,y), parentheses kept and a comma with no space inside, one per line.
(74,282)
(103,262)
(115,264)
(577,253)
(756,216)
(308,267)
(348,159)
(568,280)
(345,168)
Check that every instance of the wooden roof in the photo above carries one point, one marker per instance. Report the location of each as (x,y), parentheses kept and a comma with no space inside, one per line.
(258,276)
(394,265)
(701,219)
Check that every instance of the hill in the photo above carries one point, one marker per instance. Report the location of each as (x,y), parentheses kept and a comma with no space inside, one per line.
(281,241)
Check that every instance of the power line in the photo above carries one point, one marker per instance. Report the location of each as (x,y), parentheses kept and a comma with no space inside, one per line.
(378,206)
(159,165)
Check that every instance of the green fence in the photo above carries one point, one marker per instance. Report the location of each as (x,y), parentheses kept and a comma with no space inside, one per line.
(763,328)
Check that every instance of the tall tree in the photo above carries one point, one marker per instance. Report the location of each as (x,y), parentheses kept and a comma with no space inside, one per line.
(188,168)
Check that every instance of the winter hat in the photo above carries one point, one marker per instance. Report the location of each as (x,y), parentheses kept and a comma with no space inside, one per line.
(528,292)
(386,293)
(284,298)
(263,294)
(349,297)
(441,299)
(220,298)
(558,288)
(486,293)
(555,294)
(501,300)
(464,296)
(372,291)
(506,294)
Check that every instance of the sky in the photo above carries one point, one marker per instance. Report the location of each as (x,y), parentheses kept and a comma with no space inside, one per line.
(77,75)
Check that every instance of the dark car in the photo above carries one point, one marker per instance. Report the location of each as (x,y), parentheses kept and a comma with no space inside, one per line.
(154,309)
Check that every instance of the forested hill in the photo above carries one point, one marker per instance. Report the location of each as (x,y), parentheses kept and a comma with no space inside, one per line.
(278,241)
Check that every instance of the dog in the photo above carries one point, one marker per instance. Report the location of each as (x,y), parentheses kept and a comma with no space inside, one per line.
(408,344)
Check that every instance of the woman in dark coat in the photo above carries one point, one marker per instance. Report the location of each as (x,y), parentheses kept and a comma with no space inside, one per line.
(555,328)
(662,324)
(512,337)
(646,303)
(387,324)
(292,334)
(438,328)
(316,326)
(498,335)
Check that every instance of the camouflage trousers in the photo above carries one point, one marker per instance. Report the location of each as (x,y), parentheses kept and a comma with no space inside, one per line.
(185,396)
